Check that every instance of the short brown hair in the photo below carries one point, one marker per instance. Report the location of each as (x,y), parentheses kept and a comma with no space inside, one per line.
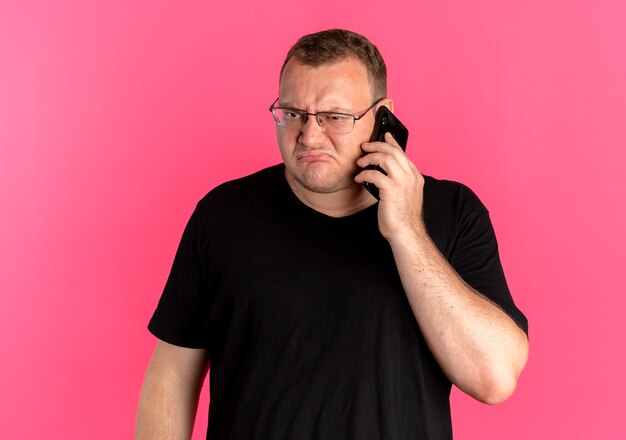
(334,45)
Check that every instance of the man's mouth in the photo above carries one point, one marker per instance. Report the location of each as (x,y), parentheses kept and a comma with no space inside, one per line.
(314,156)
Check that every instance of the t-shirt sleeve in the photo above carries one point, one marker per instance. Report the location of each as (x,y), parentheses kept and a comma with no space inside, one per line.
(180,317)
(477,259)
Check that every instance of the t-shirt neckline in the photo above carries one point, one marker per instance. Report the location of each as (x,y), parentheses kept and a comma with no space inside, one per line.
(303,208)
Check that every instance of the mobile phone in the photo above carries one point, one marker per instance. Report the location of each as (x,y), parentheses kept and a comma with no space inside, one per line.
(386,122)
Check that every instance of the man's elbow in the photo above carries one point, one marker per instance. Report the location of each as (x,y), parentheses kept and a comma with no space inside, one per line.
(501,382)
(497,391)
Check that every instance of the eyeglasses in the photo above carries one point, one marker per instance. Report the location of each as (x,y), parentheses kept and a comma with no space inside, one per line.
(330,122)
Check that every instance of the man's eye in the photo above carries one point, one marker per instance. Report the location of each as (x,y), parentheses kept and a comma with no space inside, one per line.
(291,115)
(336,117)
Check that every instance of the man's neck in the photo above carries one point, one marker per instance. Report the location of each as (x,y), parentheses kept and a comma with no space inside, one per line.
(341,203)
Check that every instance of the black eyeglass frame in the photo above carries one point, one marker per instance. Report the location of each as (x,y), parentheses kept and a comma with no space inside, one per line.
(307,114)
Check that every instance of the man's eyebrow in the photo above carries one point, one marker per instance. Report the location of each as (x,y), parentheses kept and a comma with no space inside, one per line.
(287,105)
(337,110)
(329,110)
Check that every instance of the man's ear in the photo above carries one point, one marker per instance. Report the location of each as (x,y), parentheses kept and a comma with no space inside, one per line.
(388,102)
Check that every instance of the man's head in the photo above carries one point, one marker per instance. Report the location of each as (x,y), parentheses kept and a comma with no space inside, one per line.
(339,74)
(334,45)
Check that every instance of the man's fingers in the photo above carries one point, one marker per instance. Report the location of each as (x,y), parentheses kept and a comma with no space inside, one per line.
(391,140)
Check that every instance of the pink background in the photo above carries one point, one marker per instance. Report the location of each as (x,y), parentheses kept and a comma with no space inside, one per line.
(117,116)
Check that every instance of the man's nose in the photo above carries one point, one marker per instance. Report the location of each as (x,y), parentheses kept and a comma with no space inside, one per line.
(311,129)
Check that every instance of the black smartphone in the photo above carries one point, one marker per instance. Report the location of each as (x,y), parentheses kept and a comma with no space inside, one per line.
(386,122)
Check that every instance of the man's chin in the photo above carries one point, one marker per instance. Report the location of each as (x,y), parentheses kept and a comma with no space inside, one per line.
(327,185)
(321,179)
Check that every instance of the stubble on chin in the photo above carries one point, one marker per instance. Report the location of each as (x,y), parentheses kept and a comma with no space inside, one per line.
(323,182)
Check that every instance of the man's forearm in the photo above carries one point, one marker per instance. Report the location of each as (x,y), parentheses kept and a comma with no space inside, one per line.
(478,346)
(171,388)
(165,411)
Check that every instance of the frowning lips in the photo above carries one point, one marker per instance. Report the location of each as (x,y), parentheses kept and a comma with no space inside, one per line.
(314,155)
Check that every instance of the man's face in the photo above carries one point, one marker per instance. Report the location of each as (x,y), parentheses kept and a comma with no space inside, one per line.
(314,160)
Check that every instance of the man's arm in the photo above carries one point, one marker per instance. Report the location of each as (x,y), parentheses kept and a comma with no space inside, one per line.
(170,392)
(477,345)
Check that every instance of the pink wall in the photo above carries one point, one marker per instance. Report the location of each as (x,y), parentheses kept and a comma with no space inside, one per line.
(115,118)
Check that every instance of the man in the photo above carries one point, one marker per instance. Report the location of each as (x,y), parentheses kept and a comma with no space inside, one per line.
(324,313)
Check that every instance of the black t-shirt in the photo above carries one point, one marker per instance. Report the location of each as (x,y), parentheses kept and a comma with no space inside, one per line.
(309,331)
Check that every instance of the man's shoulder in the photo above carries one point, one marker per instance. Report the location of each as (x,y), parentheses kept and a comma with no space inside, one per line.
(443,186)
(450,200)
(245,187)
